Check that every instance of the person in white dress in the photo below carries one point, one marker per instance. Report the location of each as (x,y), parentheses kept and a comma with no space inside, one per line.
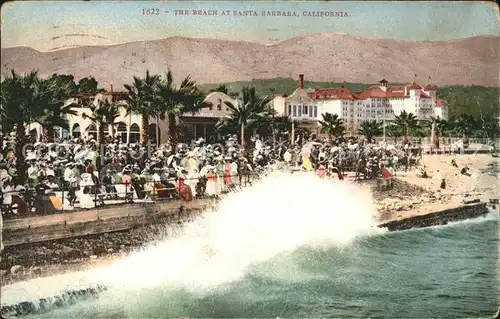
(84,196)
(212,187)
(234,172)
(7,191)
(68,172)
(192,176)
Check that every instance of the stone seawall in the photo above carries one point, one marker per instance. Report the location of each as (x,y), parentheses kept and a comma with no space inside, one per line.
(125,217)
(101,220)
(442,217)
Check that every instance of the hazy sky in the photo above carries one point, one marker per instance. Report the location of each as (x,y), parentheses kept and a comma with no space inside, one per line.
(49,25)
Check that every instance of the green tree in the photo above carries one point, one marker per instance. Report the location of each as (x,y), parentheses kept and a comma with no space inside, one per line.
(490,127)
(221,88)
(370,129)
(464,125)
(275,125)
(332,125)
(142,99)
(393,131)
(406,122)
(104,114)
(21,97)
(87,85)
(280,125)
(247,115)
(173,102)
(52,111)
(474,100)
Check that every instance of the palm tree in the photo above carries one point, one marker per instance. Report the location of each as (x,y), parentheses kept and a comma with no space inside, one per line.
(274,126)
(249,113)
(464,125)
(103,115)
(174,101)
(369,129)
(52,112)
(406,122)
(54,116)
(142,99)
(280,124)
(393,131)
(438,128)
(332,125)
(21,96)
(111,114)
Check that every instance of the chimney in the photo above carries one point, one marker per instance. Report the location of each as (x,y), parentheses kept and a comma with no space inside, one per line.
(301,81)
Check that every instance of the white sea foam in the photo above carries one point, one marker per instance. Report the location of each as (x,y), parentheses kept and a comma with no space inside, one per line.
(278,214)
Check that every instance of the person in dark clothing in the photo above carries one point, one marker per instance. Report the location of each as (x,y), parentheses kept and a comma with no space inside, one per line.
(465,171)
(109,182)
(443,184)
(41,200)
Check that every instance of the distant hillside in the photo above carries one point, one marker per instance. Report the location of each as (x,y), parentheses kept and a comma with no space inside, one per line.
(462,99)
(282,85)
(321,57)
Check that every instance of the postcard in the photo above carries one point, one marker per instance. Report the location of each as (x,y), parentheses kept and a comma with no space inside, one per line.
(249,159)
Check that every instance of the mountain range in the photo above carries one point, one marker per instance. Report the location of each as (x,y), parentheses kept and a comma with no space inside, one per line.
(323,57)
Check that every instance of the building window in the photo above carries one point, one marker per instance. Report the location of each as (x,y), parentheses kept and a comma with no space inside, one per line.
(305,110)
(295,110)
(289,110)
(299,111)
(315,111)
(219,105)
(311,111)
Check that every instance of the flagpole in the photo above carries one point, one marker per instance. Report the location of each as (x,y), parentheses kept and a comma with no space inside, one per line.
(384,129)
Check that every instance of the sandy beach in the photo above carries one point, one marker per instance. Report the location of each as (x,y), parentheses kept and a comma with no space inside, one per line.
(413,195)
(410,196)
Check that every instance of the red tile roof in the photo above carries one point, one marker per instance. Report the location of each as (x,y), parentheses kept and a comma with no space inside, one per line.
(390,93)
(414,86)
(441,102)
(430,87)
(332,94)
(373,91)
(424,95)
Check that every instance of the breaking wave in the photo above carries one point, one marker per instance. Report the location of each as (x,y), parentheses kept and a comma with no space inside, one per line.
(288,230)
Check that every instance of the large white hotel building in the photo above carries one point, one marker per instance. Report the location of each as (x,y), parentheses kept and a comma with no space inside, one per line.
(379,103)
(305,107)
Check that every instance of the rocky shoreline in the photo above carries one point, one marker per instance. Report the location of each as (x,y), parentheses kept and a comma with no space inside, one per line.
(408,197)
(59,256)
(66,255)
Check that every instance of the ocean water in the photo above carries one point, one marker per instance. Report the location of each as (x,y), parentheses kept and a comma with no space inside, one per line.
(291,246)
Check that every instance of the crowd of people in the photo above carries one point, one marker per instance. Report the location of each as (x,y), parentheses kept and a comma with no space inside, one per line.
(80,173)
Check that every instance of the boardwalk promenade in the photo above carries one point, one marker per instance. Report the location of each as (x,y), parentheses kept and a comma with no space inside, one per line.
(110,218)
(128,216)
